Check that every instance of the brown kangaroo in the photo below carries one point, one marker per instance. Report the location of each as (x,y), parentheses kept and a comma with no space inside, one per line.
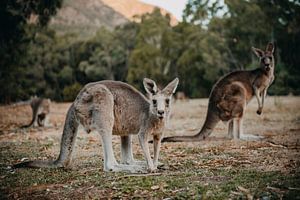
(40,112)
(231,94)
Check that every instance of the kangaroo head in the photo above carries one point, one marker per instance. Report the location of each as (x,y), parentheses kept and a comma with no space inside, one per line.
(266,57)
(160,100)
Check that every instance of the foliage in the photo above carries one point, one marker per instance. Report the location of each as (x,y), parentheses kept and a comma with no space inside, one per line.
(243,24)
(70,92)
(214,38)
(14,15)
(147,58)
(284,16)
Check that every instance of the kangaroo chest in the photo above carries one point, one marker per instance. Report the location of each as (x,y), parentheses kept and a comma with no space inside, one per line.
(263,81)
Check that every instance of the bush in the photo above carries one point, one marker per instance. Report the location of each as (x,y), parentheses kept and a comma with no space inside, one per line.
(70,92)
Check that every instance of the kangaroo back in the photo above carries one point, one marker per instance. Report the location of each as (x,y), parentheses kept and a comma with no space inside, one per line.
(66,148)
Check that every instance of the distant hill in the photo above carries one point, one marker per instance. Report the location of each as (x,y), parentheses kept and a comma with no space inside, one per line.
(130,8)
(85,17)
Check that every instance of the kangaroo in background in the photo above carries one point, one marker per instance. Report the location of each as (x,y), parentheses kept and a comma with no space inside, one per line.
(231,94)
(181,96)
(40,112)
(116,108)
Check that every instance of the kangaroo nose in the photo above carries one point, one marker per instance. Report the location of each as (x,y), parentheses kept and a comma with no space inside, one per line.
(161,112)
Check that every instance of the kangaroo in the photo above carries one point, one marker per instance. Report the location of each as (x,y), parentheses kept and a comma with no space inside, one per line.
(116,108)
(40,112)
(181,96)
(231,94)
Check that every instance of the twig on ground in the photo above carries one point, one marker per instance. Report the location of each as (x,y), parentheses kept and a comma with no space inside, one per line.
(273,144)
(139,175)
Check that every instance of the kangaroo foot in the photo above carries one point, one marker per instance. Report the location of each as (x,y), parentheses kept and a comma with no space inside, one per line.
(250,137)
(127,168)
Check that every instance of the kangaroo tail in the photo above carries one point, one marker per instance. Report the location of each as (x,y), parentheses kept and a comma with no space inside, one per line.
(210,123)
(66,147)
(32,121)
(37,164)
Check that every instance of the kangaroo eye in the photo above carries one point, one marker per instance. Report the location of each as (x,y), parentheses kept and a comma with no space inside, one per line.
(270,57)
(154,101)
(167,101)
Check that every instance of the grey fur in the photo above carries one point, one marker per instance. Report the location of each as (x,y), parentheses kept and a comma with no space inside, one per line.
(116,108)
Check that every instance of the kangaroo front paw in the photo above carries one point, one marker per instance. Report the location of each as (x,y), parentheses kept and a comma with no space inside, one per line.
(134,162)
(152,169)
(127,168)
(259,111)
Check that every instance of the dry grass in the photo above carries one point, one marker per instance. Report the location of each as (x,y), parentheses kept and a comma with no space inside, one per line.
(214,169)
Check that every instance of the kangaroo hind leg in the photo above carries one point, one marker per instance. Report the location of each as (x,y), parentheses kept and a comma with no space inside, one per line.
(101,112)
(237,128)
(126,152)
(110,163)
(102,120)
(230,129)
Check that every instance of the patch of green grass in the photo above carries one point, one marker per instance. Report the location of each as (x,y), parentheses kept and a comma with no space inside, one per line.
(257,182)
(187,181)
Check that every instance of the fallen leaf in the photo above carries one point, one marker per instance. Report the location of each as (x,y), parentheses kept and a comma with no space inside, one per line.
(155,187)
(246,192)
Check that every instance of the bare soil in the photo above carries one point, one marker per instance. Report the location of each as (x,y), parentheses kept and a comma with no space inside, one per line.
(217,168)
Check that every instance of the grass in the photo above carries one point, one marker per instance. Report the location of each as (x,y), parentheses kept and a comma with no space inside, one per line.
(186,182)
(214,169)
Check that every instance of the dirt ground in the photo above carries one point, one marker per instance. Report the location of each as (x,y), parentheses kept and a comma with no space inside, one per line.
(217,168)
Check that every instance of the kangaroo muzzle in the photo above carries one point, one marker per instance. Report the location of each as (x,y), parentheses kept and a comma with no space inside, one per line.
(160,113)
(267,67)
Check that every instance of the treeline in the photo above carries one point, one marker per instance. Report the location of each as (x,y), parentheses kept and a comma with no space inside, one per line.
(212,40)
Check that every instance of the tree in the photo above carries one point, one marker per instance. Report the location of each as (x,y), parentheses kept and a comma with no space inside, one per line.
(212,40)
(14,16)
(147,59)
(242,24)
(284,17)
(107,57)
(201,59)
(47,67)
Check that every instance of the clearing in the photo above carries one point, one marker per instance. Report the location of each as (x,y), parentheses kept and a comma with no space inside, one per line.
(217,168)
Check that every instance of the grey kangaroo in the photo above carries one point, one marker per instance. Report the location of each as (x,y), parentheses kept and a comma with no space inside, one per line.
(231,94)
(40,112)
(116,108)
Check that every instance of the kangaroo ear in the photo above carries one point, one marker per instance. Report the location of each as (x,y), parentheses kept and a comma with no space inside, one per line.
(171,87)
(259,53)
(270,47)
(150,86)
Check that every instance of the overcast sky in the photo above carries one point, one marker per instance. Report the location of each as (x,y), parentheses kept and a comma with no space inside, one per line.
(176,7)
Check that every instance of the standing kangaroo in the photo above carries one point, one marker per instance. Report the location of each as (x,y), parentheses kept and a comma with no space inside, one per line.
(231,94)
(116,108)
(40,112)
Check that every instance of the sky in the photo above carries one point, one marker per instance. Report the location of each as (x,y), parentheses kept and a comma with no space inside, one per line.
(176,7)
